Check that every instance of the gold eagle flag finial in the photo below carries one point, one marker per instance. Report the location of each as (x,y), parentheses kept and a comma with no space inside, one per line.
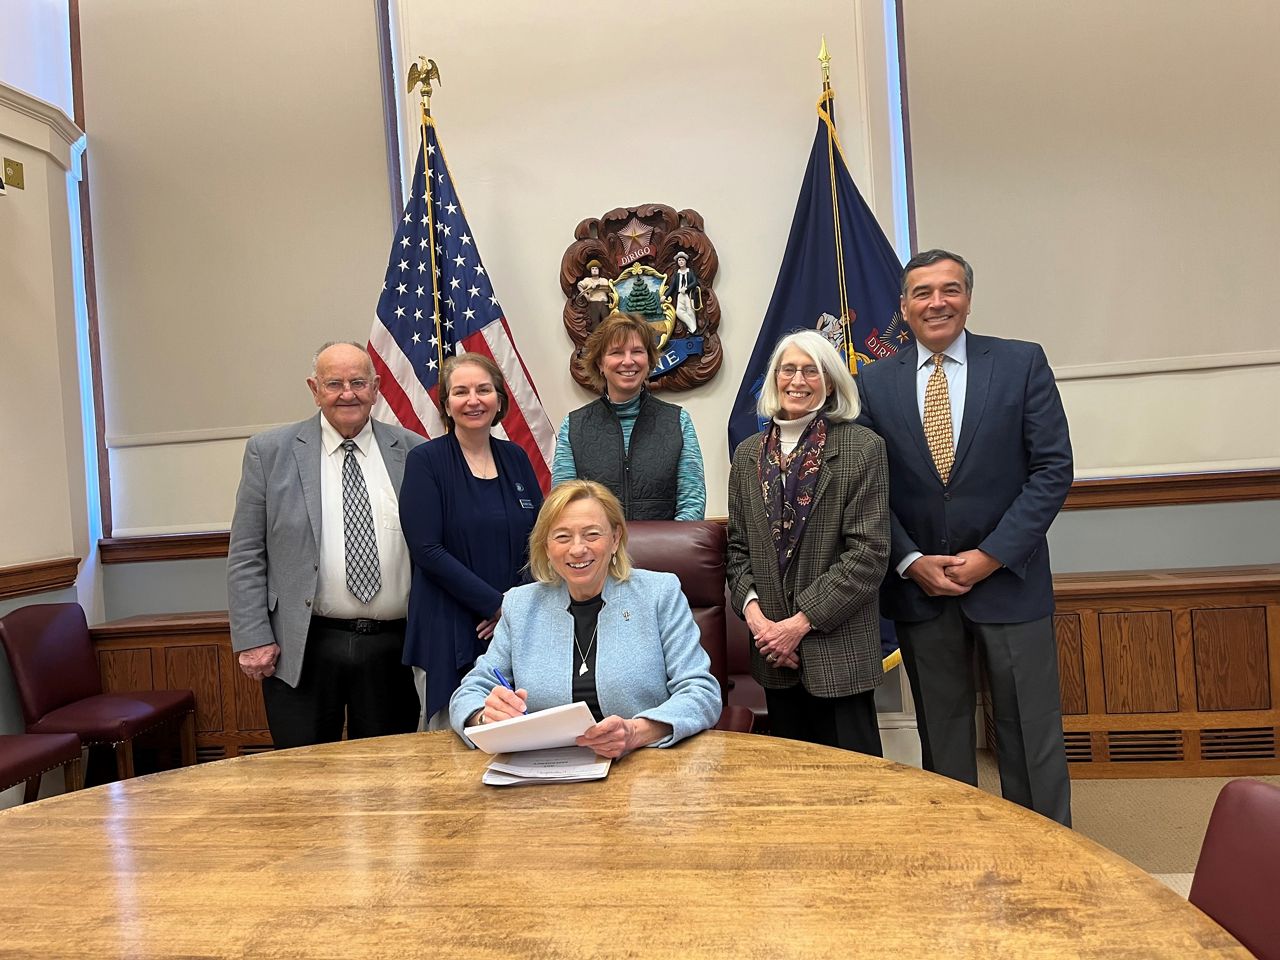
(423,72)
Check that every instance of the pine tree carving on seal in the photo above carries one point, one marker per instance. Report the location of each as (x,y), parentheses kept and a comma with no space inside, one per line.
(656,262)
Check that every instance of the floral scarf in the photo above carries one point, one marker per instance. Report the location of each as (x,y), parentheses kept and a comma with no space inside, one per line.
(788,482)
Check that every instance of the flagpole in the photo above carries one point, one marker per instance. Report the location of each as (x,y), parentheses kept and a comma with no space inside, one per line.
(824,58)
(420,75)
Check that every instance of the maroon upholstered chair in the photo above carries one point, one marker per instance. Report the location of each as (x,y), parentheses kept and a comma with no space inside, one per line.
(26,757)
(56,673)
(744,690)
(695,552)
(1237,879)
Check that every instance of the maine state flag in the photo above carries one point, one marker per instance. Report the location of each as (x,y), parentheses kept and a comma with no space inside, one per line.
(839,275)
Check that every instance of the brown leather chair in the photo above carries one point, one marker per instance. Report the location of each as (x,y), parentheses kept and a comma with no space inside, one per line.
(1237,878)
(695,552)
(744,691)
(27,757)
(56,673)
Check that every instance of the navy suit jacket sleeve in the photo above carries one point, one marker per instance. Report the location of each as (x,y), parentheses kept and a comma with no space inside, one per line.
(423,517)
(900,544)
(1047,443)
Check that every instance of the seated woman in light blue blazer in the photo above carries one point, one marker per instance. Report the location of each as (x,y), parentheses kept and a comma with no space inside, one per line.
(593,629)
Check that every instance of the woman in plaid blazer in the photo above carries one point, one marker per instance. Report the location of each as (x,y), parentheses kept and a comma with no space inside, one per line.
(809,546)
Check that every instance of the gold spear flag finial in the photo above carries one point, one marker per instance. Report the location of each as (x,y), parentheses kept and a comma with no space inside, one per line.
(423,72)
(824,58)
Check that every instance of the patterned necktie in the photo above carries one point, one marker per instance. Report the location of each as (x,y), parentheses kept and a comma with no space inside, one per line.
(937,419)
(364,578)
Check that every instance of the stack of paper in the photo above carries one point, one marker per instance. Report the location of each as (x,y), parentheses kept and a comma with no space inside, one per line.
(540,747)
(558,765)
(556,727)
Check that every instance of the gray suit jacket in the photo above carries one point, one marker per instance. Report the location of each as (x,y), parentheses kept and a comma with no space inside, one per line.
(835,574)
(273,561)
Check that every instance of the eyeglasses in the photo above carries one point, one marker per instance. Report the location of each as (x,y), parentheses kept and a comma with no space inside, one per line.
(789,370)
(358,385)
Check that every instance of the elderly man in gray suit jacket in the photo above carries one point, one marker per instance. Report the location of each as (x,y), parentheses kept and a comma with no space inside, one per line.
(318,570)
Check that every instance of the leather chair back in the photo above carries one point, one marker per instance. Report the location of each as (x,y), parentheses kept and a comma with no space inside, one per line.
(1238,876)
(695,552)
(51,657)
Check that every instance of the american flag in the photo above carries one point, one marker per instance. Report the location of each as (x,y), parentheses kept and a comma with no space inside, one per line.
(437,301)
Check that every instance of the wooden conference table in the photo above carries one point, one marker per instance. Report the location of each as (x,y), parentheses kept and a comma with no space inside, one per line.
(729,845)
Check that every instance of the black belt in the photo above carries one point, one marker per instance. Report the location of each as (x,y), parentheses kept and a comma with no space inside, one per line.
(359,626)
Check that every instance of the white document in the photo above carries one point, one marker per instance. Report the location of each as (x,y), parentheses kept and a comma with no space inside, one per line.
(559,765)
(556,727)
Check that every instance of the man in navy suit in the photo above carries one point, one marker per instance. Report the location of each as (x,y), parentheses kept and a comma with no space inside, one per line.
(979,465)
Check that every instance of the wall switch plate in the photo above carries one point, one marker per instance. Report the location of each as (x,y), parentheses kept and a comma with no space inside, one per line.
(13,174)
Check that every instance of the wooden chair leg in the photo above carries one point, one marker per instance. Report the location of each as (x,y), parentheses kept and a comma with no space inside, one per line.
(72,776)
(188,735)
(124,760)
(32,789)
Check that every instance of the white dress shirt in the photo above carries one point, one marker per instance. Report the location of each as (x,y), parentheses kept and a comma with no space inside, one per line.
(955,366)
(333,599)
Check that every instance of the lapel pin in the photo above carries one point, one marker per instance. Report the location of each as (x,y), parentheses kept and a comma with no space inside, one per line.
(626,614)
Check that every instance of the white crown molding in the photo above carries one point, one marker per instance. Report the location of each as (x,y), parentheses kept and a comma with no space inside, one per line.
(1131,471)
(38,124)
(1131,368)
(167,437)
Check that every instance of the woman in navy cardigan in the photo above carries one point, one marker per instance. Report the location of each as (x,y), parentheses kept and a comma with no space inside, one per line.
(467,505)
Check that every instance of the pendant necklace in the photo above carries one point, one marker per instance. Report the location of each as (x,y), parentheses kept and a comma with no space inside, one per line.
(590,643)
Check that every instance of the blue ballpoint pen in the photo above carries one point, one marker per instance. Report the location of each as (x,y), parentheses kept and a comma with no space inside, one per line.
(505,682)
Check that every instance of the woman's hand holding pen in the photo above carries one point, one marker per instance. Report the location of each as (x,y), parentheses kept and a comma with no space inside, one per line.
(503,704)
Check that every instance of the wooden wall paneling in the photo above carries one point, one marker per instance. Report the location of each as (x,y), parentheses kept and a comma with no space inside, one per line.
(191,650)
(195,667)
(125,669)
(1185,678)
(1139,672)
(1228,647)
(1070,641)
(251,712)
(1091,651)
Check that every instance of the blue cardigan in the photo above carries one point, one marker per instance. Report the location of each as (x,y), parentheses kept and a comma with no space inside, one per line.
(649,660)
(447,597)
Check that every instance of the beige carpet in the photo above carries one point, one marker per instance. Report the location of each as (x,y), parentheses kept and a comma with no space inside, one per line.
(1157,824)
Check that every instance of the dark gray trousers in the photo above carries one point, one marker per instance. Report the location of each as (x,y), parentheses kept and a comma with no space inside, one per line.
(1022,672)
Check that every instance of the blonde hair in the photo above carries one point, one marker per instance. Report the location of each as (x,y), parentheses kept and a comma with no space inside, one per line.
(841,405)
(557,500)
(615,330)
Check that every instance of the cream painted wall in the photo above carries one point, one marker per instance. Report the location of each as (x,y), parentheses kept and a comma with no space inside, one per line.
(1109,168)
(241,217)
(44,517)
(521,81)
(35,50)
(202,190)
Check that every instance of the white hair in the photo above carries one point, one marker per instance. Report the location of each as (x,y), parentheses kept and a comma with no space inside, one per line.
(842,405)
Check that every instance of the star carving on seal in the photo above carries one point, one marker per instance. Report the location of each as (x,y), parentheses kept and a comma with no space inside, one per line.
(635,234)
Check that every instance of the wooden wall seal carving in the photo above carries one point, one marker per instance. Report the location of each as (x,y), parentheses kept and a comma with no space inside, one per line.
(657,262)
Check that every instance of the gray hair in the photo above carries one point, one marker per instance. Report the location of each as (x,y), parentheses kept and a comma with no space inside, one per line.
(929,257)
(842,405)
(315,357)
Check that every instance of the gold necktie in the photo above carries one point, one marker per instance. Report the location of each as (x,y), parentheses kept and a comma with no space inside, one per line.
(937,420)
